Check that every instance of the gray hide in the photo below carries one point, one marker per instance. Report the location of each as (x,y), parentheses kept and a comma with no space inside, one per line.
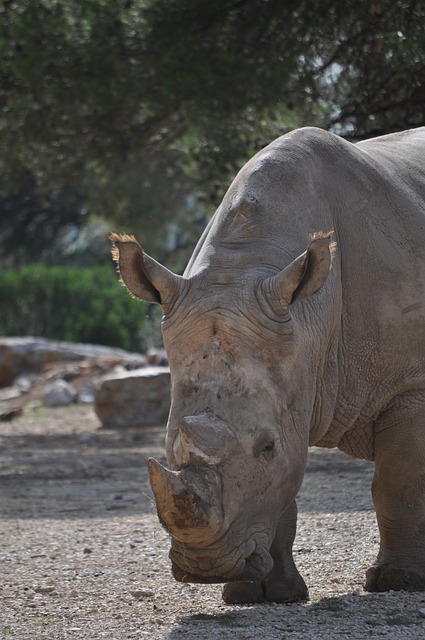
(299,321)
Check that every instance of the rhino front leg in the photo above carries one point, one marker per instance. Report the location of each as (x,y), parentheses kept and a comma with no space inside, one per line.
(398,491)
(284,583)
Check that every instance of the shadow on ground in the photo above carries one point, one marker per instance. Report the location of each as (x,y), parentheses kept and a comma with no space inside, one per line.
(52,466)
(61,464)
(351,615)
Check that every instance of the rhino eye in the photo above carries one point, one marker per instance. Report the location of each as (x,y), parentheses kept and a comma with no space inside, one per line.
(268,450)
(265,447)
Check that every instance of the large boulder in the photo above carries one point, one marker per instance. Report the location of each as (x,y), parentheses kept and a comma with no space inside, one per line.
(134,398)
(19,355)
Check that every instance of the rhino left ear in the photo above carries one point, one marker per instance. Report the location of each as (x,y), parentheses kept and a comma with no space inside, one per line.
(303,276)
(143,276)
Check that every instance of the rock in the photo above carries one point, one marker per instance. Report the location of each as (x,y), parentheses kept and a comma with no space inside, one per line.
(142,593)
(85,395)
(157,357)
(23,382)
(59,393)
(82,465)
(9,367)
(10,394)
(7,415)
(134,398)
(19,355)
(44,590)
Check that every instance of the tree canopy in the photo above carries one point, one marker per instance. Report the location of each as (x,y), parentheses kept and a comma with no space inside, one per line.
(89,91)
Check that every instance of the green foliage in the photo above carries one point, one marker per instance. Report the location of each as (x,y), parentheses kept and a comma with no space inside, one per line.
(77,305)
(32,226)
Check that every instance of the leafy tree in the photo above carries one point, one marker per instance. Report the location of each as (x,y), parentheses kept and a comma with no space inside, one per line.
(94,91)
(87,84)
(369,66)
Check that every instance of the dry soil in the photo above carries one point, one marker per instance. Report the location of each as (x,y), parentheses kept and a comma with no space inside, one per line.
(83,556)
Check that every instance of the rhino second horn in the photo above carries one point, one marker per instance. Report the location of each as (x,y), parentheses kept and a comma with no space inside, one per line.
(203,439)
(189,504)
(191,451)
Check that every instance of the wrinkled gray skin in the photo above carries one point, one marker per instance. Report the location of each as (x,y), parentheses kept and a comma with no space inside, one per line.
(278,340)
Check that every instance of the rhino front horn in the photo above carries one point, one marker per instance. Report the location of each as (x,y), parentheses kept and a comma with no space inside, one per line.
(188,502)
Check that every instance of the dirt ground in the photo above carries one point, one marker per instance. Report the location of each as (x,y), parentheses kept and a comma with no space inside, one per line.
(83,556)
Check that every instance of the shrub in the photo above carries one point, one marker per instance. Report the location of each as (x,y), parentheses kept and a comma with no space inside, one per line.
(68,303)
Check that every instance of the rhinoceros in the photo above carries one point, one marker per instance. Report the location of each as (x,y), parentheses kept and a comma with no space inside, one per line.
(299,320)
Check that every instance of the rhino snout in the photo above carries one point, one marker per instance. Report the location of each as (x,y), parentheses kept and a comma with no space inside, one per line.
(187,566)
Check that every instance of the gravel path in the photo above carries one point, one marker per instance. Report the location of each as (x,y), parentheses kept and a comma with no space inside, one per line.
(82,555)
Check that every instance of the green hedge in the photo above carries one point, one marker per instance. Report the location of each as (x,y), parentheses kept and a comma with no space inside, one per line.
(67,303)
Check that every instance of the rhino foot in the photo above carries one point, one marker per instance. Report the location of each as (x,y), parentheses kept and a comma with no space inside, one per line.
(386,577)
(243,593)
(268,590)
(280,591)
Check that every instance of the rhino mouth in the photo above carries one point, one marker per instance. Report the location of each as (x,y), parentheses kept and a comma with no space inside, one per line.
(255,567)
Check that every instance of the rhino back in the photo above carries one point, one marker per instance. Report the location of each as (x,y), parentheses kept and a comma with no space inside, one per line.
(311,179)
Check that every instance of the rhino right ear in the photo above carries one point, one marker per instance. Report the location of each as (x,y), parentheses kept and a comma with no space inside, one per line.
(303,276)
(142,275)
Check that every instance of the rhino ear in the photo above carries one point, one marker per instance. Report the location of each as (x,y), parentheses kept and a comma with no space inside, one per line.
(302,277)
(142,275)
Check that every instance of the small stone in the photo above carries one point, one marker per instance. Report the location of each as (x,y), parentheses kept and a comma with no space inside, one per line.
(44,590)
(85,396)
(421,612)
(84,438)
(87,550)
(142,593)
(82,465)
(23,382)
(157,358)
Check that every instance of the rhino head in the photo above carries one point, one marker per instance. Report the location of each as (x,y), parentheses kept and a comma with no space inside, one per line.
(242,406)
